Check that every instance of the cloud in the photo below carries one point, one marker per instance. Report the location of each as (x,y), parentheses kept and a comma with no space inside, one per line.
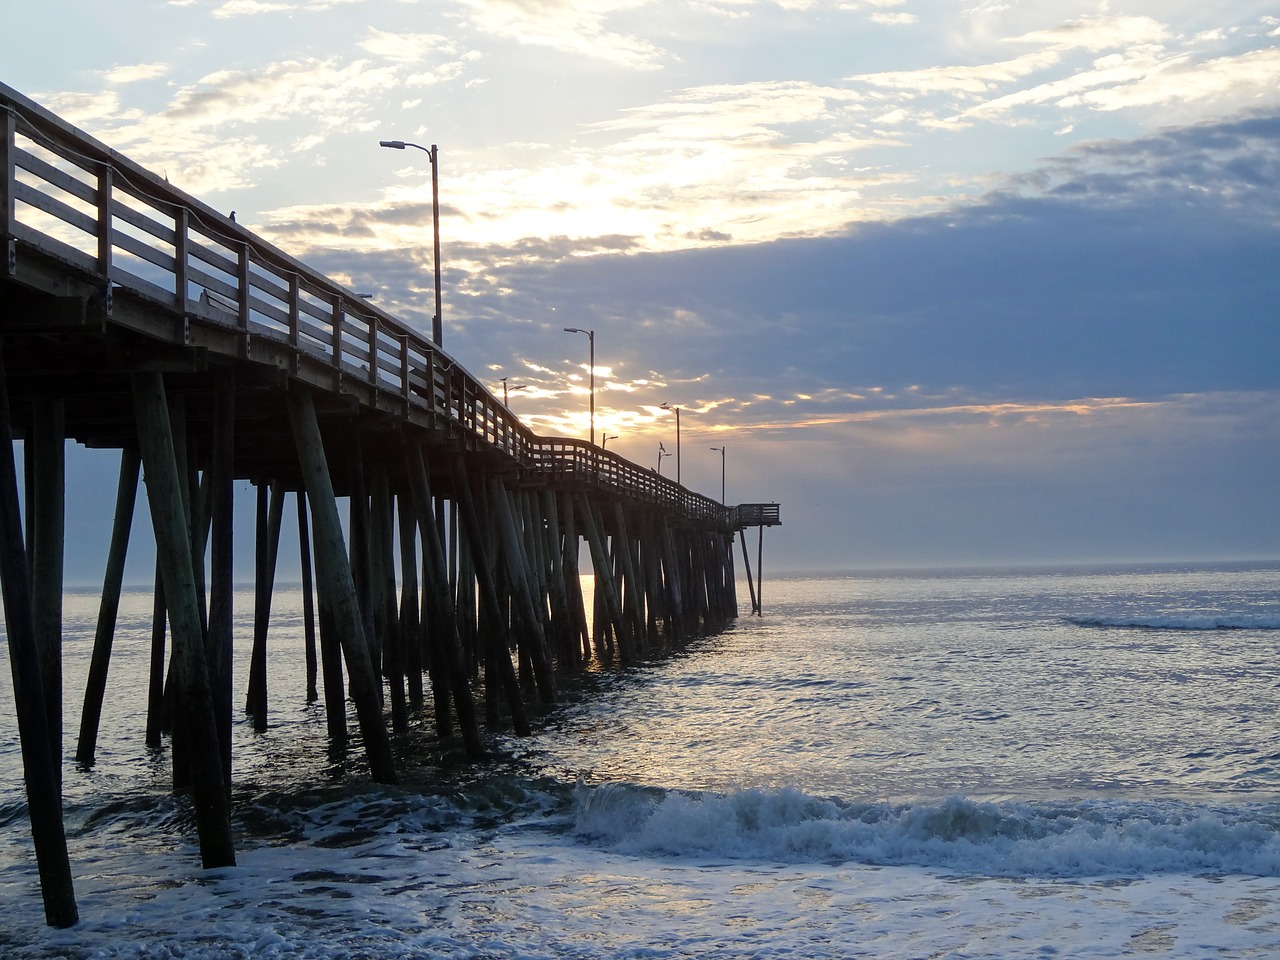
(1136,63)
(222,132)
(1114,278)
(967,81)
(405,47)
(253,8)
(894,19)
(1184,478)
(710,166)
(1253,78)
(578,27)
(326,92)
(250,8)
(1232,165)
(1099,33)
(134,73)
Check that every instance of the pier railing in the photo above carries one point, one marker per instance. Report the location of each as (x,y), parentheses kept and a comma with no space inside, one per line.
(100,216)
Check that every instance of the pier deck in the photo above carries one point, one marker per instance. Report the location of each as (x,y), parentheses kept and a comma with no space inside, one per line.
(133,317)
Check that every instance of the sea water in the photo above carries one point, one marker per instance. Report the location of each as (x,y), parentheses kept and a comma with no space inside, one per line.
(979,764)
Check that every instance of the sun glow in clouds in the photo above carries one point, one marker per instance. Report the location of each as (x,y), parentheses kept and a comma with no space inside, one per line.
(841,235)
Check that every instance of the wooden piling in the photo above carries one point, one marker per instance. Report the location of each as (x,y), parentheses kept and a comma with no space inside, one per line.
(671,581)
(760,572)
(438,624)
(410,607)
(220,478)
(308,599)
(746,563)
(436,586)
(337,587)
(109,606)
(173,548)
(382,574)
(335,696)
(605,585)
(563,618)
(47,451)
(44,800)
(573,581)
(270,515)
(533,639)
(156,719)
(358,553)
(497,658)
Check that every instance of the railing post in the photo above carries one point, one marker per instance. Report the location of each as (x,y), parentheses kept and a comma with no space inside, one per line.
(335,347)
(403,340)
(106,235)
(8,177)
(181,252)
(242,314)
(295,321)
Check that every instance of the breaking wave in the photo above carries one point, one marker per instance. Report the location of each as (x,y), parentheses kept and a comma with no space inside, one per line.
(1068,840)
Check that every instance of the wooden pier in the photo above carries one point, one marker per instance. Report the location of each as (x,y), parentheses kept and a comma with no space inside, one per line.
(135,318)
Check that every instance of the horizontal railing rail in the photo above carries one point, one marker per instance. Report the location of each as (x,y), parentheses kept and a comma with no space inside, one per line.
(68,197)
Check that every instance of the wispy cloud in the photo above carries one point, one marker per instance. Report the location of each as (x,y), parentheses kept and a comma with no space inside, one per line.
(231,9)
(133,73)
(578,27)
(1252,78)
(406,47)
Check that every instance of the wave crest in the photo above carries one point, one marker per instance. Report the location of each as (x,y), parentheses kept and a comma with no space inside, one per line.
(1180,622)
(957,834)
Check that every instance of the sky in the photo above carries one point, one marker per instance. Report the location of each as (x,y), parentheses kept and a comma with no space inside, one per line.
(967,283)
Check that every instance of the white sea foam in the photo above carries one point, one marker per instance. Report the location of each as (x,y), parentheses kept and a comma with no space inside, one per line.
(1009,785)
(977,838)
(393,876)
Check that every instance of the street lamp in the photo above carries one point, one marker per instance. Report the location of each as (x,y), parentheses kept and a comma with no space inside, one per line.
(518,386)
(662,452)
(721,452)
(591,360)
(604,441)
(436,321)
(667,406)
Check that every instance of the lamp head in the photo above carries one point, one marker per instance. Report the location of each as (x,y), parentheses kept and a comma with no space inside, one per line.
(393,144)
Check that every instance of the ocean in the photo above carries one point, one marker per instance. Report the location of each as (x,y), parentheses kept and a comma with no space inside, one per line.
(1038,763)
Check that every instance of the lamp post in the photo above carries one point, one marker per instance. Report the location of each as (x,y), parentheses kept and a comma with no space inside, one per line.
(721,452)
(437,323)
(518,386)
(667,406)
(604,441)
(662,452)
(591,361)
